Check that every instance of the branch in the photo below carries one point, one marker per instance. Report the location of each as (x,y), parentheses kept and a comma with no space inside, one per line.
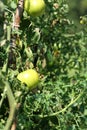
(16,24)
(12,105)
(18,14)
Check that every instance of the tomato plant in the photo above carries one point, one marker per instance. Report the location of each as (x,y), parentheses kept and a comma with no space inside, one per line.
(55,47)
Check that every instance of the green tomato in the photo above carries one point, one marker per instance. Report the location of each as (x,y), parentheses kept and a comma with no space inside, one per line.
(34,7)
(30,77)
(26,5)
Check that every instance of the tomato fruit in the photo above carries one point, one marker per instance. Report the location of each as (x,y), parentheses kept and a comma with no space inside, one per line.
(30,77)
(34,7)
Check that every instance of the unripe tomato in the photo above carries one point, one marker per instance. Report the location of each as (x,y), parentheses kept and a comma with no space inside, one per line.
(34,7)
(30,77)
(26,5)
(81,22)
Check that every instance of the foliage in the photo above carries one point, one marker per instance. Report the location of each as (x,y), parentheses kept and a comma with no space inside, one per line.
(52,45)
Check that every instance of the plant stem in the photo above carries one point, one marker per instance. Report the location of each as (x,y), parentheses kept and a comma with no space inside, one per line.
(3,96)
(12,105)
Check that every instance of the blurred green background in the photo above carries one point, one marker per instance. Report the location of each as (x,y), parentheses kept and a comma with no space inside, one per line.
(77,8)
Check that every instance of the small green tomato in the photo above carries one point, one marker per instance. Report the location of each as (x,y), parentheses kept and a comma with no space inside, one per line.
(30,77)
(35,7)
